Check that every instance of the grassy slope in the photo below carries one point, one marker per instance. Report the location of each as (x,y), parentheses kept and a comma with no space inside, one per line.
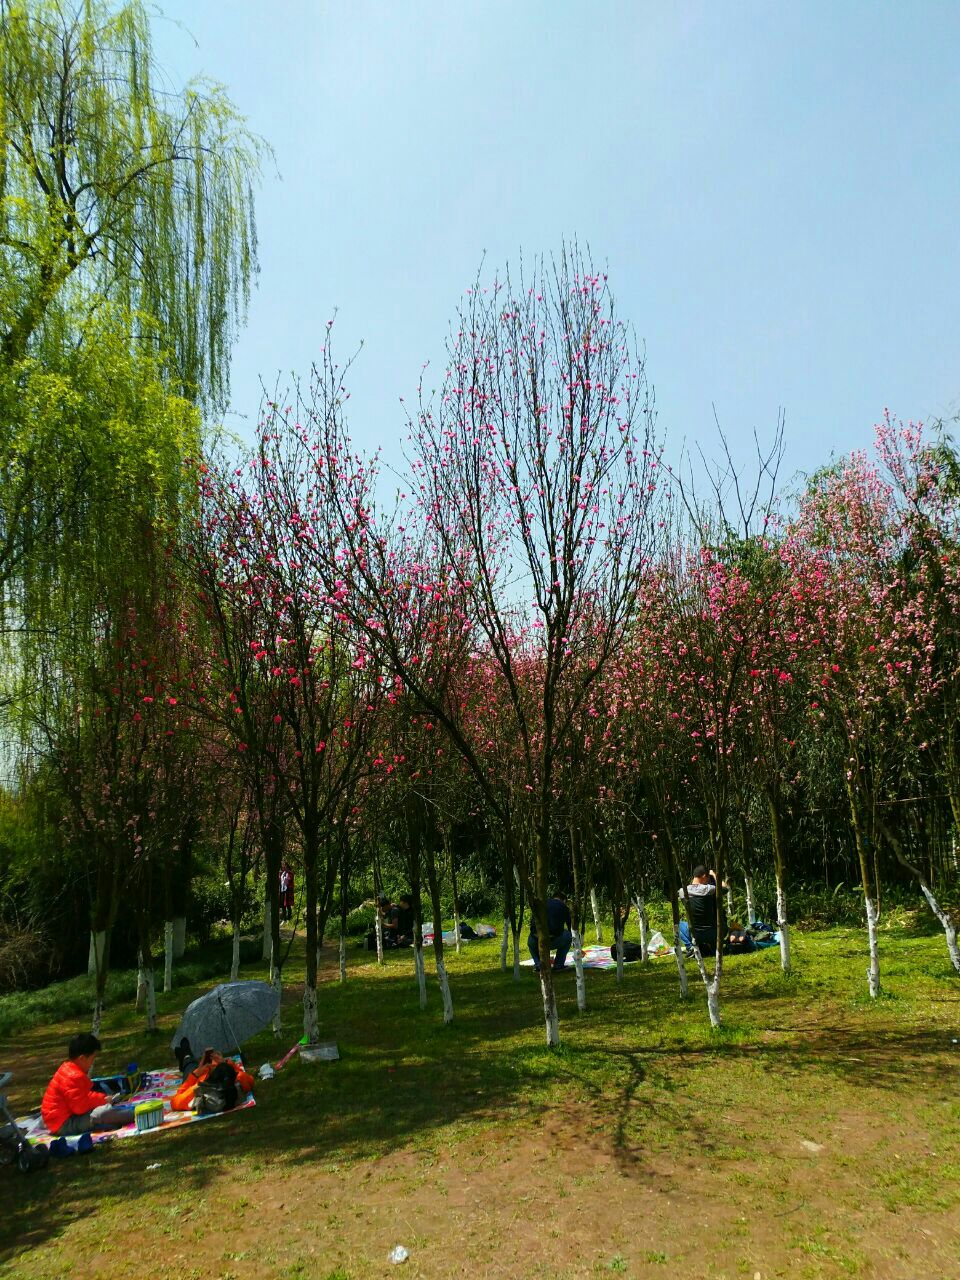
(646,1144)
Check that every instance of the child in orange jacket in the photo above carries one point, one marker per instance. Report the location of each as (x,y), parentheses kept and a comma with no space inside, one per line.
(71,1105)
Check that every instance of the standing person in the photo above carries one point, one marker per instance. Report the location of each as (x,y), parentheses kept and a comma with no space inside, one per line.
(560,926)
(71,1106)
(705,907)
(286,892)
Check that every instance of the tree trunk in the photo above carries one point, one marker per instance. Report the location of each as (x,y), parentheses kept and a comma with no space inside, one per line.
(103,969)
(378,934)
(445,991)
(448,849)
(311,1024)
(179,936)
(779,840)
(168,945)
(873,970)
(643,921)
(946,923)
(595,908)
(504,943)
(748,889)
(861,840)
(267,925)
(433,884)
(515,932)
(678,946)
(311,854)
(98,941)
(141,1002)
(782,926)
(343,956)
(618,936)
(277,983)
(235,960)
(551,1015)
(418,964)
(578,968)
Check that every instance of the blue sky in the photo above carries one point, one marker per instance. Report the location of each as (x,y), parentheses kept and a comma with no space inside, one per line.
(774,188)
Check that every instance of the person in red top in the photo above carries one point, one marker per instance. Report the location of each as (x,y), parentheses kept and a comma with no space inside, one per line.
(71,1105)
(212,1067)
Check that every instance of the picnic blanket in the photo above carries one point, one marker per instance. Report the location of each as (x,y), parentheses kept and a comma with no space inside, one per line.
(160,1085)
(594,957)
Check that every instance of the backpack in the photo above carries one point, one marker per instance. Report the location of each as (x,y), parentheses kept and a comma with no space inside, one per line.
(210,1099)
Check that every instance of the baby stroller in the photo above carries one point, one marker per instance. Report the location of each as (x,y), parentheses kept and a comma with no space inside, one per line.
(14,1146)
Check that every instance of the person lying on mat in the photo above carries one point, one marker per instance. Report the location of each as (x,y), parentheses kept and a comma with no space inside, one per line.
(560,925)
(212,1068)
(71,1105)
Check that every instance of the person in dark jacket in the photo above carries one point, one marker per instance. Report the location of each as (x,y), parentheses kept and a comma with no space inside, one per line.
(703,905)
(560,927)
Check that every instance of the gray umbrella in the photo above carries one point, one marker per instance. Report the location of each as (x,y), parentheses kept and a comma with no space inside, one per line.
(227,1016)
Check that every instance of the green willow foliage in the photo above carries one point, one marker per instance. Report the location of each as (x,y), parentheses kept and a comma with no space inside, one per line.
(112,188)
(127,251)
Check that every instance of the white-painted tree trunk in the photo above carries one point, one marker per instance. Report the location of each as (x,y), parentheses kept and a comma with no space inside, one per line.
(595,908)
(311,1024)
(141,1005)
(873,971)
(578,969)
(98,942)
(948,929)
(150,999)
(267,934)
(783,927)
(235,958)
(681,966)
(343,957)
(618,934)
(457,940)
(168,956)
(730,902)
(445,995)
(713,1000)
(748,889)
(953,851)
(179,936)
(643,921)
(418,967)
(97,1018)
(551,1015)
(516,954)
(378,933)
(504,943)
(277,984)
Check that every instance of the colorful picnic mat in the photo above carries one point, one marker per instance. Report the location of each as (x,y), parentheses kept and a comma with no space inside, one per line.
(156,1086)
(594,957)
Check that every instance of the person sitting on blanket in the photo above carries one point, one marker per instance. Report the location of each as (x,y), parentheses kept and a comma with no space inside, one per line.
(703,905)
(399,922)
(213,1068)
(71,1105)
(559,925)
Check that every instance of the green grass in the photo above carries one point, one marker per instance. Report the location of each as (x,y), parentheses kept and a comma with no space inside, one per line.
(74,997)
(643,1121)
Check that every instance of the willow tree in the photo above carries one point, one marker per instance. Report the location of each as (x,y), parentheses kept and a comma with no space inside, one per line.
(126,222)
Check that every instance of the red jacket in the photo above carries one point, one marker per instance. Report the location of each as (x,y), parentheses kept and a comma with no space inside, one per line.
(183,1099)
(69,1093)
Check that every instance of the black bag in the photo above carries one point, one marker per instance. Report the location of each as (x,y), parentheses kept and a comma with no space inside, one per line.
(466,930)
(631,951)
